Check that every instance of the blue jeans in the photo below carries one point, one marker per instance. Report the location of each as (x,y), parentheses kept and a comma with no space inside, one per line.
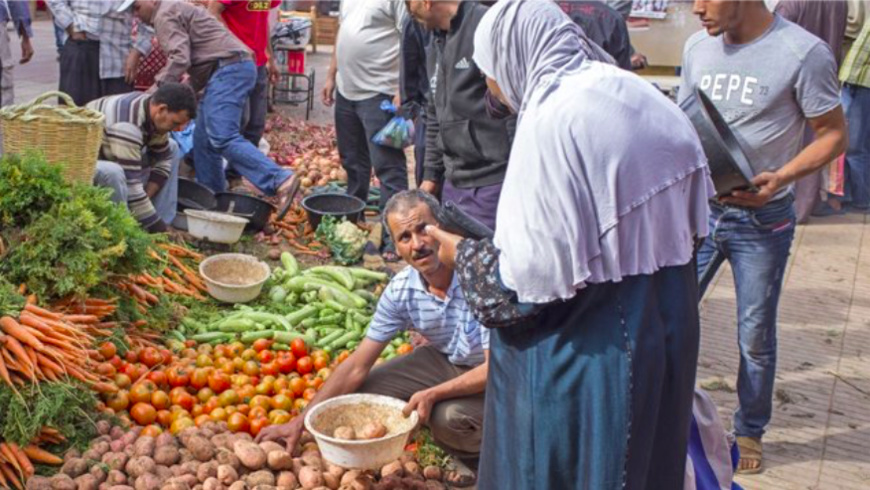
(254,122)
(856,104)
(218,133)
(756,243)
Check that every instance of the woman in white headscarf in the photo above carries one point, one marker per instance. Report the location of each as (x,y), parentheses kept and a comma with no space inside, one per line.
(589,283)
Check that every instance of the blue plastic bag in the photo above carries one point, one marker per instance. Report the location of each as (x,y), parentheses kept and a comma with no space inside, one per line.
(398,133)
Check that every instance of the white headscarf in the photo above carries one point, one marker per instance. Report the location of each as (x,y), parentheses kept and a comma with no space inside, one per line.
(519,54)
(606,178)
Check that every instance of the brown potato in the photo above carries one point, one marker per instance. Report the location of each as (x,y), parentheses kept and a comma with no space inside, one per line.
(372,430)
(344,432)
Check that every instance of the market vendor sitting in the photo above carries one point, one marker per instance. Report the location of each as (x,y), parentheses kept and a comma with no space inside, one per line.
(444,379)
(138,159)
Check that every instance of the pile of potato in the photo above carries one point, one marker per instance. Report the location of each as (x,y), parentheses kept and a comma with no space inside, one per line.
(212,458)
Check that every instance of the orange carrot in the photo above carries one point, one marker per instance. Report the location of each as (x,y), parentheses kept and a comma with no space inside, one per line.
(81,319)
(3,482)
(22,289)
(43,312)
(9,456)
(23,460)
(42,456)
(13,346)
(13,328)
(4,372)
(10,476)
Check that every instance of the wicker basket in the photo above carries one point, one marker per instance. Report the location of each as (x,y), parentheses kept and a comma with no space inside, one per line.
(69,135)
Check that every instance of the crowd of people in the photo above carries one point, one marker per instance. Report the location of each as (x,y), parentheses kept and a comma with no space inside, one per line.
(562,351)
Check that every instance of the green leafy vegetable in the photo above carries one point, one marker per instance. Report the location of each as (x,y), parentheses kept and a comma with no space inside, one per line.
(346,241)
(29,186)
(78,244)
(11,303)
(69,408)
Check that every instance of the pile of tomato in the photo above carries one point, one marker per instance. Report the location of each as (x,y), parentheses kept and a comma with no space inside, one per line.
(248,387)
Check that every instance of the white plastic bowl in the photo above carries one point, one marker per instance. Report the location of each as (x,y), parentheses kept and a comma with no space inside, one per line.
(215,227)
(252,273)
(361,454)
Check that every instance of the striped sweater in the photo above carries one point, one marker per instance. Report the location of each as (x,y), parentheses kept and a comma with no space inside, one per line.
(131,141)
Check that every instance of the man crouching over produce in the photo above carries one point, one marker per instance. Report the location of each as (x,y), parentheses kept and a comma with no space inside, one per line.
(444,379)
(138,160)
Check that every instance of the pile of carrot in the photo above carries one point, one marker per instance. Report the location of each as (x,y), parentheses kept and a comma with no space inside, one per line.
(299,234)
(177,277)
(16,463)
(42,345)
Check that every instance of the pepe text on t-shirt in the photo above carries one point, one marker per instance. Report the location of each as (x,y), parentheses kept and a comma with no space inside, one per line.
(766,89)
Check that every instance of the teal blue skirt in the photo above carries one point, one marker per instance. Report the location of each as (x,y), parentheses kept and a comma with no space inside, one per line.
(595,393)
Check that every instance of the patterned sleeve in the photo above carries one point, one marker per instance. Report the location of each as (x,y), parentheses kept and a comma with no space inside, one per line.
(493,304)
(390,318)
(123,145)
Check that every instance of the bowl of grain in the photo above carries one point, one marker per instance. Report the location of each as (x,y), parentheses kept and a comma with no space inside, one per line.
(361,431)
(234,278)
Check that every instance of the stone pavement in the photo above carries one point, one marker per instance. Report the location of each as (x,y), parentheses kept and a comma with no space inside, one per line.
(820,435)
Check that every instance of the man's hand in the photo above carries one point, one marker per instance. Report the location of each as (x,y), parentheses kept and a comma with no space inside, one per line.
(26,50)
(422,402)
(448,241)
(638,61)
(151,189)
(131,66)
(429,187)
(76,35)
(768,184)
(329,92)
(274,73)
(397,100)
(289,432)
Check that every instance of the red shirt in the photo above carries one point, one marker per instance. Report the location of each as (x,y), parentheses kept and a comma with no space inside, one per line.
(249,21)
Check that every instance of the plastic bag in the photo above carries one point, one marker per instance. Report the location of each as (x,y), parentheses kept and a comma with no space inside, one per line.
(398,133)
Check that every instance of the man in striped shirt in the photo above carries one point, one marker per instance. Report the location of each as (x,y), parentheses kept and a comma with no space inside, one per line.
(444,379)
(137,158)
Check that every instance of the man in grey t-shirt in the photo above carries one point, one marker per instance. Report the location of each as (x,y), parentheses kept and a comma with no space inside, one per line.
(768,78)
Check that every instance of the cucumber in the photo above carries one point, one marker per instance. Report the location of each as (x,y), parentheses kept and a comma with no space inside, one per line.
(193,325)
(296,317)
(339,275)
(335,305)
(288,337)
(250,337)
(343,340)
(236,325)
(277,294)
(329,339)
(291,265)
(211,337)
(367,275)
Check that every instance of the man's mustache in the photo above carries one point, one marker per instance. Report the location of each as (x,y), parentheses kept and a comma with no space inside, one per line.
(422,253)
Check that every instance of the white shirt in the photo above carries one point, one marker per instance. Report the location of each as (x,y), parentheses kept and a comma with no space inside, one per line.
(448,324)
(369,40)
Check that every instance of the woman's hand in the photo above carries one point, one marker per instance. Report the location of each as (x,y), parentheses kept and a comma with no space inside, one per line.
(448,243)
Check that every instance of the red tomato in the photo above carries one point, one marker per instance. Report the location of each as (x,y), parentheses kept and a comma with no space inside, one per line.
(164,418)
(118,401)
(179,390)
(304,365)
(131,356)
(143,414)
(309,393)
(178,376)
(184,400)
(320,362)
(257,412)
(158,378)
(238,423)
(167,356)
(297,385)
(150,357)
(160,400)
(107,350)
(286,363)
(258,424)
(132,371)
(141,392)
(298,347)
(190,344)
(117,362)
(262,344)
(123,381)
(265,356)
(205,394)
(199,378)
(219,382)
(251,368)
(269,369)
(106,369)
(282,402)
